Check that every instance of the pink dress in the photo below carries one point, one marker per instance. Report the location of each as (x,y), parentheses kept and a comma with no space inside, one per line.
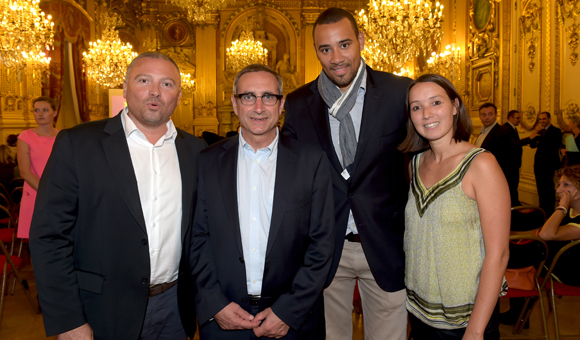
(40,149)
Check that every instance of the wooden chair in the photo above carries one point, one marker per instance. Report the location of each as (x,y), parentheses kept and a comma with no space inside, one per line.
(563,282)
(526,251)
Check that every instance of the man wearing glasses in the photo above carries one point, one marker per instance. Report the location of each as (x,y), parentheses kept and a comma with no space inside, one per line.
(260,269)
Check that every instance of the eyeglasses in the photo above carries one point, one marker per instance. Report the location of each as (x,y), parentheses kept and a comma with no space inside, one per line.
(267,98)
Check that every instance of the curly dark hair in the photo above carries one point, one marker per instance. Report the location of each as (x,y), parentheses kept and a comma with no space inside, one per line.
(572,173)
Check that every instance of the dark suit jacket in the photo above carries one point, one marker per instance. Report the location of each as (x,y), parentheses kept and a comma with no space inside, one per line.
(377,189)
(300,241)
(512,144)
(493,142)
(88,238)
(547,158)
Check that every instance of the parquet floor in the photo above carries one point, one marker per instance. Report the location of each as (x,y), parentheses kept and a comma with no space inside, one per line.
(19,322)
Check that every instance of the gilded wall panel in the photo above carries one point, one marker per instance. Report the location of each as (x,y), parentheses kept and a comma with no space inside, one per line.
(567,95)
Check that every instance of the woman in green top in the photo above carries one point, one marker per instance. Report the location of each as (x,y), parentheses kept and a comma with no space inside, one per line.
(456,220)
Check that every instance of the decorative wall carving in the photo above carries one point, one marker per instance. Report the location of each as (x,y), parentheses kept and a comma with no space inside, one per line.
(530,27)
(529,117)
(573,32)
(565,115)
(570,10)
(265,3)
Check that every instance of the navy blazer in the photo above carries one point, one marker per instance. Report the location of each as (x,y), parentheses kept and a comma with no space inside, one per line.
(88,237)
(377,189)
(300,242)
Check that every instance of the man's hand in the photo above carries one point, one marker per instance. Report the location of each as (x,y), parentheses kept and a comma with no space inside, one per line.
(272,326)
(234,317)
(84,332)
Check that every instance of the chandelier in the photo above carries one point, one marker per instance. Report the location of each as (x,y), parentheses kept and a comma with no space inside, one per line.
(107,60)
(245,52)
(38,66)
(25,33)
(187,84)
(374,56)
(403,29)
(200,10)
(447,64)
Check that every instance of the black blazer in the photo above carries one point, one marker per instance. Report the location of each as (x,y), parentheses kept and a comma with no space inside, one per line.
(88,238)
(547,156)
(512,145)
(494,142)
(377,189)
(300,242)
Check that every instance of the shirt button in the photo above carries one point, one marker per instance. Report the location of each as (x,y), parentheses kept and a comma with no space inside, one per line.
(255,281)
(254,250)
(156,198)
(256,161)
(155,172)
(153,251)
(254,188)
(254,219)
(154,225)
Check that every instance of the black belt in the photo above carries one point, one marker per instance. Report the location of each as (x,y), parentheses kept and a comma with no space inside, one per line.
(254,299)
(160,288)
(350,237)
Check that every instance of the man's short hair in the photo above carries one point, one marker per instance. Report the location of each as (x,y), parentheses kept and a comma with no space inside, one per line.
(258,68)
(462,126)
(153,55)
(333,15)
(48,100)
(512,113)
(488,104)
(545,113)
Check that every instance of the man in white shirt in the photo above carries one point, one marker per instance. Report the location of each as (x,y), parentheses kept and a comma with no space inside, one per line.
(113,207)
(263,234)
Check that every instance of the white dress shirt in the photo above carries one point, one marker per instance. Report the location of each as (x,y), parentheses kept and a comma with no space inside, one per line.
(356,115)
(159,181)
(256,180)
(483,134)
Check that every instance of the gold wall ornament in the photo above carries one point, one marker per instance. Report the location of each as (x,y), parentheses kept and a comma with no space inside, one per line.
(24,31)
(107,60)
(200,11)
(402,28)
(532,46)
(573,37)
(245,51)
(529,116)
(529,27)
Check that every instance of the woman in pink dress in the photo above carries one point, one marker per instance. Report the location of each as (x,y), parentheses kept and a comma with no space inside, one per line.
(33,149)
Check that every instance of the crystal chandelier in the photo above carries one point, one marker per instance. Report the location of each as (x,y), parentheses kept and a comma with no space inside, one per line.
(402,28)
(187,84)
(200,10)
(38,66)
(447,64)
(24,31)
(245,52)
(107,60)
(374,56)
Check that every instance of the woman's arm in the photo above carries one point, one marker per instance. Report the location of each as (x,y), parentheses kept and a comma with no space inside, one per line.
(487,183)
(23,154)
(552,231)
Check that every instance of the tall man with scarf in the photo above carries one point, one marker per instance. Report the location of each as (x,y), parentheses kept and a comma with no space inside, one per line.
(357,116)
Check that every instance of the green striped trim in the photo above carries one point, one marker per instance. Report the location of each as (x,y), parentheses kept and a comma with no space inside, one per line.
(424,197)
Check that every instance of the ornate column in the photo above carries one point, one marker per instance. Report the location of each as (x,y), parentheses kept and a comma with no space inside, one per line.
(205,115)
(312,67)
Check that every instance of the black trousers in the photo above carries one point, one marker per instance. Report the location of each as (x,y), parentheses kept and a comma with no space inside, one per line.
(421,331)
(546,189)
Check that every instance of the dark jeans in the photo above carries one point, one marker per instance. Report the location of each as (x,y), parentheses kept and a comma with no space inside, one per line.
(421,331)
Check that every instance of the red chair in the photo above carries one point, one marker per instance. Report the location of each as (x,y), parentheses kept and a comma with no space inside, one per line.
(526,251)
(566,258)
(10,264)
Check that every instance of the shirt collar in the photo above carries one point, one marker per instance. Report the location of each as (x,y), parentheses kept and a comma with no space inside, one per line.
(130,127)
(486,130)
(515,128)
(273,147)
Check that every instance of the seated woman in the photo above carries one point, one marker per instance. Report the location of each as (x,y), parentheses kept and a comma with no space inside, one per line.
(456,220)
(564,224)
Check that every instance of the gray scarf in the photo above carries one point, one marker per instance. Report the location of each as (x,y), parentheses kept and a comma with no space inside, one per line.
(339,105)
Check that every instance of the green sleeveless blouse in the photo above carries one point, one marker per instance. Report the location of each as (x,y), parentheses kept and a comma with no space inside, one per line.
(444,248)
